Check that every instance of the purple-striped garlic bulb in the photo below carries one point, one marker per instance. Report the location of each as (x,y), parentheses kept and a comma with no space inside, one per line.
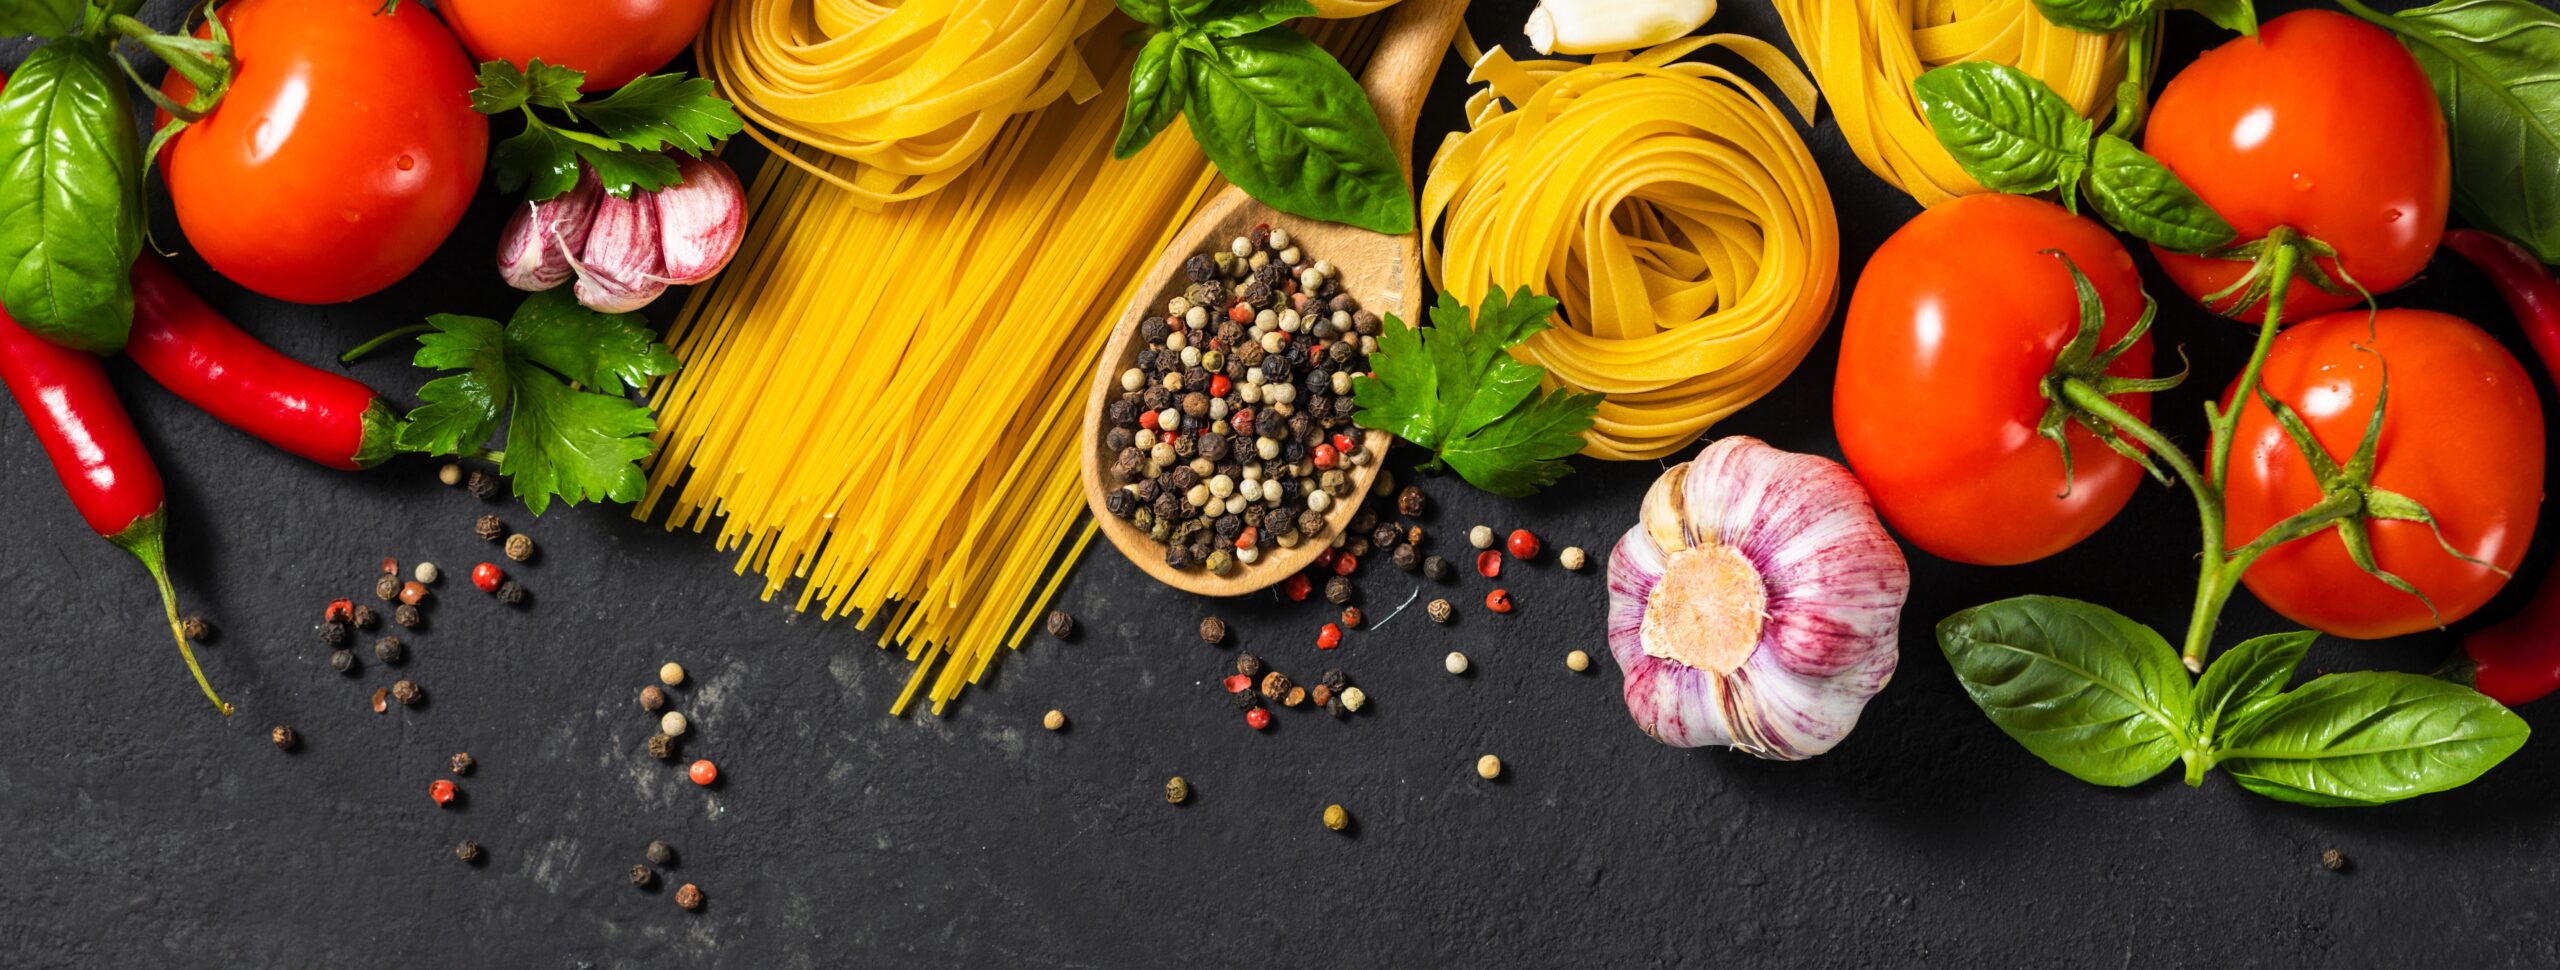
(1756,604)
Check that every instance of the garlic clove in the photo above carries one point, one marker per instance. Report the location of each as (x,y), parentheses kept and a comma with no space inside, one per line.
(700,220)
(1603,26)
(526,258)
(618,264)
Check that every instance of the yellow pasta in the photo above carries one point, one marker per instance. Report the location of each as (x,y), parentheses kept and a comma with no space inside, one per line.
(1350,8)
(910,93)
(1866,53)
(883,403)
(1672,209)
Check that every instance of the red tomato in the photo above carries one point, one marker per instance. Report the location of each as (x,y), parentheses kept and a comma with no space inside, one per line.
(2321,123)
(1955,324)
(612,40)
(2463,436)
(341,157)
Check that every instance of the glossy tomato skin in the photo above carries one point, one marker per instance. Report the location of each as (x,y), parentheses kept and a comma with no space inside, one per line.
(2322,123)
(1954,324)
(612,40)
(344,153)
(2463,435)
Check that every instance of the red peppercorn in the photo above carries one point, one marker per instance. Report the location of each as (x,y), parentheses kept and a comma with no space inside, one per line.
(339,611)
(1257,718)
(390,566)
(1220,385)
(1343,443)
(1489,563)
(487,577)
(1345,564)
(1240,313)
(1329,637)
(1523,544)
(1242,421)
(443,791)
(1498,601)
(703,772)
(1248,538)
(1295,587)
(1325,456)
(1325,558)
(1149,421)
(1238,683)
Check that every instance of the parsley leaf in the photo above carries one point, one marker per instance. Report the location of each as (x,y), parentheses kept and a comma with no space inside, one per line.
(1454,390)
(661,111)
(505,87)
(559,374)
(639,123)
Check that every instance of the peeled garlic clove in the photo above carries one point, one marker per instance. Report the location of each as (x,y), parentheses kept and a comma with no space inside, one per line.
(618,265)
(1602,26)
(700,220)
(1764,614)
(526,257)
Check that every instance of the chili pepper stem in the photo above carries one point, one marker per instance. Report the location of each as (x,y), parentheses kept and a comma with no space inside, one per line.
(146,540)
(368,347)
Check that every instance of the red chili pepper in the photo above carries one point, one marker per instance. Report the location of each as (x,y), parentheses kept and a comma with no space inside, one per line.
(1345,564)
(1295,587)
(1238,683)
(2518,660)
(487,576)
(1489,563)
(1257,719)
(99,457)
(1498,601)
(1329,637)
(1523,544)
(210,363)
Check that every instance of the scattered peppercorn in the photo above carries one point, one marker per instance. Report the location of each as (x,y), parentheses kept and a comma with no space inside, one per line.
(1409,502)
(380,699)
(342,661)
(407,616)
(1257,718)
(482,486)
(662,747)
(489,528)
(444,792)
(689,896)
(510,592)
(1213,631)
(333,633)
(1488,767)
(1351,618)
(407,693)
(461,763)
(387,588)
(196,628)
(671,673)
(413,593)
(486,577)
(2333,860)
(1345,565)
(1275,685)
(1489,563)
(661,853)
(1296,587)
(390,566)
(366,618)
(388,650)
(450,474)
(1455,662)
(1297,696)
(673,724)
(1239,684)
(1321,695)
(1441,611)
(641,876)
(1249,665)
(1406,558)
(1572,558)
(425,573)
(1480,537)
(1336,679)
(1354,698)
(653,699)
(519,547)
(1337,590)
(1498,601)
(1329,637)
(468,850)
(1523,544)
(1055,720)
(1336,818)
(1061,624)
(703,772)
(1176,790)
(1435,569)
(1577,661)
(283,737)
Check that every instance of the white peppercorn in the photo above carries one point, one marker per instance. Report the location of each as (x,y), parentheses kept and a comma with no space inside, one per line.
(1455,662)
(1480,537)
(1279,238)
(1133,379)
(450,474)
(671,674)
(1577,661)
(1572,558)
(673,724)
(1355,699)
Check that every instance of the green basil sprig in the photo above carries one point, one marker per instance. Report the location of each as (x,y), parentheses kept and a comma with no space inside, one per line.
(2012,133)
(2491,63)
(71,216)
(2105,699)
(2109,16)
(1279,116)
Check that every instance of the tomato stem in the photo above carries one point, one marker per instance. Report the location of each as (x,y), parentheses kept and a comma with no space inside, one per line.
(2133,94)
(2280,270)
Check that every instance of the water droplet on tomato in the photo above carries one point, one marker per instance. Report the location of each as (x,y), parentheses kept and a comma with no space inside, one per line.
(406,163)
(2392,215)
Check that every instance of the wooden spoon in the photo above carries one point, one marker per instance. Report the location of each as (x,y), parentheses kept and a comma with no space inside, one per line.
(1383,272)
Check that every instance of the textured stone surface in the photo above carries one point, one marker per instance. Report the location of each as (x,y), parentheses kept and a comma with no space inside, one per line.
(145,831)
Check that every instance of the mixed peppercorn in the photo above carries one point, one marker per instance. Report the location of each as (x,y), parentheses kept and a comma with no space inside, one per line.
(1234,432)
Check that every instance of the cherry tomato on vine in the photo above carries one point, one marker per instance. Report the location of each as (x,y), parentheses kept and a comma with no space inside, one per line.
(2462,434)
(2324,124)
(1954,326)
(612,40)
(342,155)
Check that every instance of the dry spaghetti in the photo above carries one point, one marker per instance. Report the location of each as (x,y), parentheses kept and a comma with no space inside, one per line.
(1866,53)
(1672,209)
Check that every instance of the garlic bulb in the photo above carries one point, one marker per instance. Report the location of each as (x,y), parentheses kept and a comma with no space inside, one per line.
(1603,26)
(1756,603)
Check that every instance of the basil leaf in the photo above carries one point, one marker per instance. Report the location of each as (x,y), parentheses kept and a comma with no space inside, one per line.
(2094,16)
(1286,123)
(70,196)
(2491,63)
(2091,692)
(1252,17)
(2245,678)
(2369,737)
(2240,16)
(1153,13)
(2005,128)
(43,18)
(2137,194)
(1158,86)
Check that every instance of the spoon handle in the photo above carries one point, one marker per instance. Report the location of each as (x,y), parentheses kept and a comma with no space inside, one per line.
(1400,72)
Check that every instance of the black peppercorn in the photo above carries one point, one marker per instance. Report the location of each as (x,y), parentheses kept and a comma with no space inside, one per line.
(407,693)
(1278,522)
(1341,353)
(387,588)
(283,737)
(511,592)
(1246,663)
(366,618)
(661,853)
(1157,397)
(1229,526)
(1182,478)
(1213,631)
(483,487)
(1177,556)
(1206,293)
(1154,329)
(1310,521)
(1409,502)
(198,630)
(662,747)
(1365,322)
(652,698)
(333,633)
(468,851)
(1276,369)
(1213,446)
(1147,491)
(1061,625)
(1335,679)
(407,616)
(1276,685)
(342,661)
(1272,274)
(488,528)
(1293,452)
(642,877)
(689,897)
(1256,294)
(1406,558)
(1119,503)
(387,650)
(1337,708)
(1435,568)
(462,762)
(1245,700)
(1337,590)
(1385,536)
(1200,268)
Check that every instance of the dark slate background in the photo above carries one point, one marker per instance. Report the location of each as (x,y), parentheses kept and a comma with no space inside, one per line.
(141,830)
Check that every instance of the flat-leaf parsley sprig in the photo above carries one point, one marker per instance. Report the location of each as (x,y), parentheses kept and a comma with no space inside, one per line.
(1454,390)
